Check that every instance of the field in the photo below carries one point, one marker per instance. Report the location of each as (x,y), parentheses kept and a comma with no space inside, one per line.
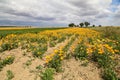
(60,53)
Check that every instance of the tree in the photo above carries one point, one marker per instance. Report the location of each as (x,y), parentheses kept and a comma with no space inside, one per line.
(71,25)
(86,24)
(100,25)
(81,24)
(93,26)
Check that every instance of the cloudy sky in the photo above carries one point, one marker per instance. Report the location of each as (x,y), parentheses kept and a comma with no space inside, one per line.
(59,12)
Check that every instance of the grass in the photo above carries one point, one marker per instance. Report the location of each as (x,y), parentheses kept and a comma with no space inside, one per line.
(109,32)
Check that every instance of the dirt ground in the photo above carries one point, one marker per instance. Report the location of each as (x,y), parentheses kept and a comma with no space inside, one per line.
(74,70)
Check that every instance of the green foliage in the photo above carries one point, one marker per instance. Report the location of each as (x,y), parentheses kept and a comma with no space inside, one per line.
(107,63)
(61,39)
(8,60)
(1,65)
(86,24)
(93,25)
(29,62)
(85,63)
(47,74)
(55,63)
(81,24)
(5,46)
(100,25)
(80,52)
(52,43)
(38,52)
(109,74)
(10,75)
(39,67)
(71,25)
(8,46)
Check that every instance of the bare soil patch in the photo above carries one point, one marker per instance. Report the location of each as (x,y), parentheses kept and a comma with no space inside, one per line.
(73,70)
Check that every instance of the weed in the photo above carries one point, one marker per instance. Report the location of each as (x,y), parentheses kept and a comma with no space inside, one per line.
(109,74)
(39,67)
(85,63)
(52,44)
(8,60)
(10,75)
(55,63)
(5,46)
(47,74)
(29,62)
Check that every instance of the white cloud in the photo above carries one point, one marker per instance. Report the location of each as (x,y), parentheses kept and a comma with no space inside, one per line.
(57,11)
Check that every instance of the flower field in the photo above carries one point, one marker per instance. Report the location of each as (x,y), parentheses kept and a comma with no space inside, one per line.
(46,53)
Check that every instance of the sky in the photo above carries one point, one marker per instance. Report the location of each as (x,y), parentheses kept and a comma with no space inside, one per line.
(59,12)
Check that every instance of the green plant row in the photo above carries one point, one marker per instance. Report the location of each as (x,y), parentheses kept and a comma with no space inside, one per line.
(7,61)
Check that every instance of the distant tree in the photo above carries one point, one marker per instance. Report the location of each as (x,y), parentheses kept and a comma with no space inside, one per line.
(100,25)
(81,24)
(86,24)
(93,25)
(71,25)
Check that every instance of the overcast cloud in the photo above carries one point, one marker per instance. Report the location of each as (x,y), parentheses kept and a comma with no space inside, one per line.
(59,12)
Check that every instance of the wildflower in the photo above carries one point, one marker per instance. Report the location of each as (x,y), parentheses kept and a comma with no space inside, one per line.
(60,54)
(56,51)
(89,50)
(100,51)
(61,57)
(116,50)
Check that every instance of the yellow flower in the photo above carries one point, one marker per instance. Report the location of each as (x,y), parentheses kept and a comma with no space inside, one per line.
(100,51)
(56,51)
(89,50)
(38,53)
(60,54)
(116,50)
(47,61)
(61,57)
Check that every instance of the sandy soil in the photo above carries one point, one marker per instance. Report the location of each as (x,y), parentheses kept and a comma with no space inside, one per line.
(73,70)
(20,70)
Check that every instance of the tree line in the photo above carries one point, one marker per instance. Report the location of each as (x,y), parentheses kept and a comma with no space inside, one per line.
(82,24)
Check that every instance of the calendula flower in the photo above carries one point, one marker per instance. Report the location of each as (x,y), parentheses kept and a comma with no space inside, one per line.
(56,51)
(89,50)
(100,51)
(61,57)
(116,50)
